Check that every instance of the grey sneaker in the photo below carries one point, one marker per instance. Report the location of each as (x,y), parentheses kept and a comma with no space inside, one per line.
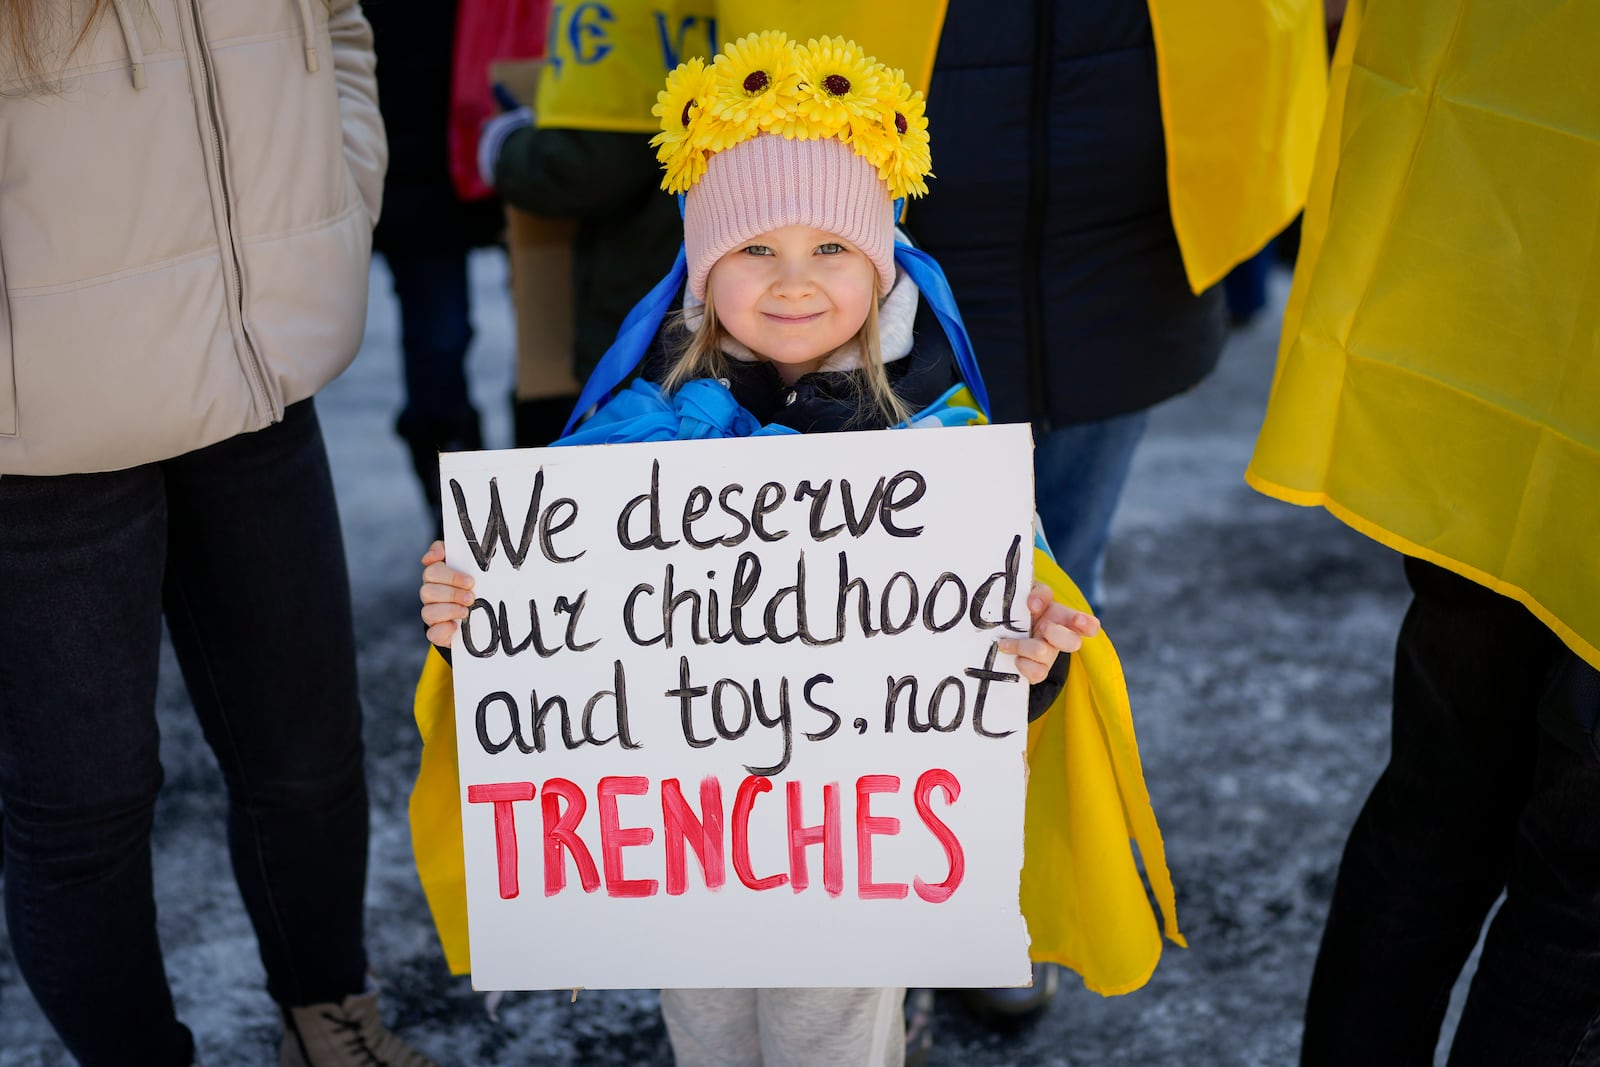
(347,1034)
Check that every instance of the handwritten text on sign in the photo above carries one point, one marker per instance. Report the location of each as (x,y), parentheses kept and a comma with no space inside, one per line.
(730,713)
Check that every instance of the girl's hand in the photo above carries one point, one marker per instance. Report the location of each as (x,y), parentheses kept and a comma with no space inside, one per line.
(1056,629)
(446,596)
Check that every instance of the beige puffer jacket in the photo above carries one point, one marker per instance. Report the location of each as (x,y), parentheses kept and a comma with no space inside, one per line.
(186,212)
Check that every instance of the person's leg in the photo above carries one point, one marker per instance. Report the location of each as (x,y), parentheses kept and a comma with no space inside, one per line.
(1079,474)
(1535,998)
(712,1027)
(808,1027)
(435,332)
(258,606)
(1430,850)
(81,561)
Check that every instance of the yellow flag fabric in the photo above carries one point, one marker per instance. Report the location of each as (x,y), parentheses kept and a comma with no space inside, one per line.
(901,35)
(1081,893)
(1243,90)
(1082,897)
(436,840)
(605,62)
(1438,382)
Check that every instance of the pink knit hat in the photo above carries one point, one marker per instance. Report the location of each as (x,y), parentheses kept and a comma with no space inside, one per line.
(770,181)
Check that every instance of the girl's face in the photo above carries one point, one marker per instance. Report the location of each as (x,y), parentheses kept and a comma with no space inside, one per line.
(793,295)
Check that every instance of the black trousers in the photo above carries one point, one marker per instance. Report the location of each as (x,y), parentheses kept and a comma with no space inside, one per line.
(238,545)
(1493,785)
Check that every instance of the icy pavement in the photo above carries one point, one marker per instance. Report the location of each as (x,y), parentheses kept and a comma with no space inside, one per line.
(1256,637)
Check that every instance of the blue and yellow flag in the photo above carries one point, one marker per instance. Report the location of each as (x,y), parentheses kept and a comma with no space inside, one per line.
(607,59)
(1081,891)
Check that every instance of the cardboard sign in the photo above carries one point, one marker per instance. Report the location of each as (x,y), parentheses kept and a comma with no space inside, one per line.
(730,712)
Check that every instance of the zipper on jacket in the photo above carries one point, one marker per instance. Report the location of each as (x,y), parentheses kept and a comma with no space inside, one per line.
(1033,338)
(255,370)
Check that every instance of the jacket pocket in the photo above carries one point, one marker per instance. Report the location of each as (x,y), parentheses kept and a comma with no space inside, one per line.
(8,368)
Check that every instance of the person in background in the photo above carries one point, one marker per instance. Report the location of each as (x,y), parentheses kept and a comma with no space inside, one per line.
(1058,229)
(425,234)
(190,191)
(588,158)
(1438,388)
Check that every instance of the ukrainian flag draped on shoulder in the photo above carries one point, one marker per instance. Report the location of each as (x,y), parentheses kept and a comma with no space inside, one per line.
(1438,382)
(1243,89)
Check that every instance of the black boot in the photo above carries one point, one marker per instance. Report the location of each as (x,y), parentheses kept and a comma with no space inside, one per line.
(426,438)
(536,423)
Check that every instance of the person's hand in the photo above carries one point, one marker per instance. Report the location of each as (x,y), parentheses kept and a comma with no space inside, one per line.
(494,131)
(446,596)
(1056,629)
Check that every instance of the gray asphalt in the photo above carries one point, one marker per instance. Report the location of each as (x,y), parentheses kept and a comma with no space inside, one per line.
(1257,640)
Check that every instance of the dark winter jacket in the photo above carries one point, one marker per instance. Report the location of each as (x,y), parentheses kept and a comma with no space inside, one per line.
(628,229)
(421,212)
(1049,211)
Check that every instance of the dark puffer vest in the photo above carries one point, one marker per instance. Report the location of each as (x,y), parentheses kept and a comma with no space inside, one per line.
(1049,211)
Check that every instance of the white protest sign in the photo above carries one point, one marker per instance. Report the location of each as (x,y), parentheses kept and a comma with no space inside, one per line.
(730,712)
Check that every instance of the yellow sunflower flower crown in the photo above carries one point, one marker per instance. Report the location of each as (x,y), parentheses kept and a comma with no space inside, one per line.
(766,83)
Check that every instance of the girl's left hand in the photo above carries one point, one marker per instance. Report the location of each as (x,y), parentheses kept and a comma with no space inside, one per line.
(1056,629)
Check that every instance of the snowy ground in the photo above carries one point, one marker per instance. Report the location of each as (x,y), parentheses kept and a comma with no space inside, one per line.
(1256,637)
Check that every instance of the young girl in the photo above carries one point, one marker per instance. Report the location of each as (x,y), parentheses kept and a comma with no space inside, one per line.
(799,313)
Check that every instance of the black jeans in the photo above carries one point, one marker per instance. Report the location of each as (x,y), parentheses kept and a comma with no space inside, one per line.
(1491,786)
(434,295)
(238,545)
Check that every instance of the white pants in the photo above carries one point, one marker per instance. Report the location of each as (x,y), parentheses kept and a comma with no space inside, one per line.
(786,1027)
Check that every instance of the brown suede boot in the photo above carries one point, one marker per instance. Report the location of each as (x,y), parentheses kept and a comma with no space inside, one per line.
(346,1034)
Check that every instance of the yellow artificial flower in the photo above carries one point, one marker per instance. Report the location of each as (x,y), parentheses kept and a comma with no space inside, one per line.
(754,82)
(766,84)
(839,88)
(907,168)
(681,109)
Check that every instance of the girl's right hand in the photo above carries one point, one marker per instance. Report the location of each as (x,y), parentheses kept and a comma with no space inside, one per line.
(446,596)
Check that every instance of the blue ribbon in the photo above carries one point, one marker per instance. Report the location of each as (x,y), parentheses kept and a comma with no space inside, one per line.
(925,272)
(644,322)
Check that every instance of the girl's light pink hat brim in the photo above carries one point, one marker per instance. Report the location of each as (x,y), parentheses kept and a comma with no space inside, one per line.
(769,182)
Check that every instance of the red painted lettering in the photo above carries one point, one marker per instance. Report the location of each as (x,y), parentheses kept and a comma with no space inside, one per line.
(931,780)
(680,825)
(743,801)
(868,824)
(614,837)
(502,795)
(561,832)
(827,833)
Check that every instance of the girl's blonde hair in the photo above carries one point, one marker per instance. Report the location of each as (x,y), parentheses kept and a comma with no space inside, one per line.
(701,356)
(19,30)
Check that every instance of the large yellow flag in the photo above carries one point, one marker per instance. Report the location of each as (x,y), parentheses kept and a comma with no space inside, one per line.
(1438,383)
